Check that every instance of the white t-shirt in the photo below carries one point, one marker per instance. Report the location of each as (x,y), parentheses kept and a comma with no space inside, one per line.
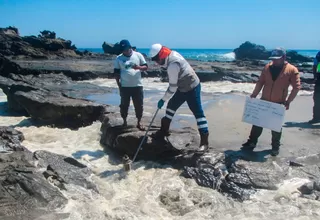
(130,77)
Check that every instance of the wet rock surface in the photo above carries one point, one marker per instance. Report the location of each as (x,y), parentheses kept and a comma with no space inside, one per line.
(126,140)
(50,99)
(238,174)
(31,184)
(10,140)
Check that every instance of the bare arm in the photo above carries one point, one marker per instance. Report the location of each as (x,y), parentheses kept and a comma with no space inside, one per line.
(116,72)
(143,67)
(143,64)
(117,76)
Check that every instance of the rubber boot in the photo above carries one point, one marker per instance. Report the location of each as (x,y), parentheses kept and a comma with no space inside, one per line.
(164,130)
(314,121)
(275,150)
(204,142)
(249,145)
(253,138)
(275,143)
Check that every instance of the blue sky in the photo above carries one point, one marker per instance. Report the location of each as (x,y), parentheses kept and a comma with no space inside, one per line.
(292,24)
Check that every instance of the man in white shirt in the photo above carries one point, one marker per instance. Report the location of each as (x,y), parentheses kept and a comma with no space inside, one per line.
(127,69)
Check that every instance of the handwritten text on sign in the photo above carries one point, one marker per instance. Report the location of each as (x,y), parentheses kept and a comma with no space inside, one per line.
(263,114)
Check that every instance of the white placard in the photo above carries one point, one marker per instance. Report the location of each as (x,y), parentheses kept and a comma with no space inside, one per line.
(264,114)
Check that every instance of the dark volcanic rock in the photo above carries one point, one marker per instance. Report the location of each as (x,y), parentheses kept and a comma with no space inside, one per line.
(10,139)
(44,46)
(50,98)
(27,179)
(234,175)
(47,43)
(23,189)
(77,76)
(307,188)
(111,48)
(47,34)
(65,169)
(7,67)
(55,109)
(294,57)
(250,50)
(125,140)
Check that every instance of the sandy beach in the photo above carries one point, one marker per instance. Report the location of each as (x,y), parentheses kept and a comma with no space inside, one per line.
(228,132)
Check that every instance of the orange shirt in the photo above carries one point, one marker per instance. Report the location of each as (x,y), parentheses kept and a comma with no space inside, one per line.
(277,91)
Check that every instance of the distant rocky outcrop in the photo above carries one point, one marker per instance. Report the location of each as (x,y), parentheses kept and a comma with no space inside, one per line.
(43,46)
(47,34)
(253,51)
(111,48)
(49,44)
(250,50)
(294,57)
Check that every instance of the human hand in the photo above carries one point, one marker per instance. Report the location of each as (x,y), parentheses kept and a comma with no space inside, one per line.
(160,104)
(287,105)
(252,96)
(136,67)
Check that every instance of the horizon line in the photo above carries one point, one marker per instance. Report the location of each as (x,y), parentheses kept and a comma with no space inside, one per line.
(186,48)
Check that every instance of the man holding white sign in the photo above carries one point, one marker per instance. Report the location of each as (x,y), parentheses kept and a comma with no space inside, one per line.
(274,81)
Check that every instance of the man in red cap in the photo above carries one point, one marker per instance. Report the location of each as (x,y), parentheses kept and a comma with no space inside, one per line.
(184,86)
(275,79)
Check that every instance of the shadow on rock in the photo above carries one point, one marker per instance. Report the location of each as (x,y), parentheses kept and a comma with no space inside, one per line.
(254,156)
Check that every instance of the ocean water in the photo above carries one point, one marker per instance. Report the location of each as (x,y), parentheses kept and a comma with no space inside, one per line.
(205,54)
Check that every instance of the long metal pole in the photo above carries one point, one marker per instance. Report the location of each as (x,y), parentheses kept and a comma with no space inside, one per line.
(144,137)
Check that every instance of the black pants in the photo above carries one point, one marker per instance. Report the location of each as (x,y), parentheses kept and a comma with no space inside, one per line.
(257,131)
(136,93)
(316,100)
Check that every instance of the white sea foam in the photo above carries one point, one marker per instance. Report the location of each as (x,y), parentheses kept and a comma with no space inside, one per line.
(230,56)
(155,84)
